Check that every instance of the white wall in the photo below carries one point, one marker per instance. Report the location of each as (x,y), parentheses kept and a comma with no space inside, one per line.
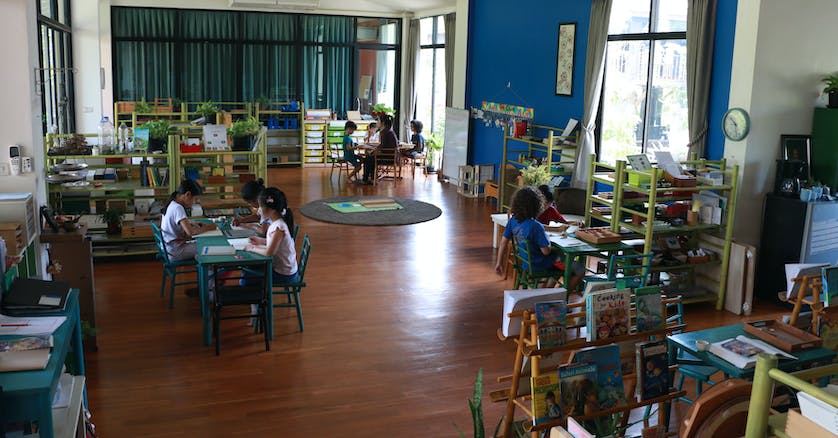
(88,93)
(781,51)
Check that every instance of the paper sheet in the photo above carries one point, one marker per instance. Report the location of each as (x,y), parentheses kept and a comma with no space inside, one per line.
(30,325)
(239,244)
(765,346)
(211,233)
(566,241)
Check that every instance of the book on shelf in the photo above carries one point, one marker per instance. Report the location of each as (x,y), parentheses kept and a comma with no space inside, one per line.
(608,314)
(559,432)
(595,285)
(742,351)
(576,430)
(830,285)
(25,354)
(551,317)
(545,398)
(521,299)
(652,369)
(609,374)
(648,305)
(828,327)
(141,139)
(578,388)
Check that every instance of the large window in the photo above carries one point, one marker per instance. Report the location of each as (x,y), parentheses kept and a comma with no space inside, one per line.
(430,74)
(56,66)
(644,99)
(232,56)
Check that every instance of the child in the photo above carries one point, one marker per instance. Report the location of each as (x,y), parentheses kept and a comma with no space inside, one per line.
(349,149)
(250,193)
(417,140)
(278,242)
(550,213)
(372,134)
(176,228)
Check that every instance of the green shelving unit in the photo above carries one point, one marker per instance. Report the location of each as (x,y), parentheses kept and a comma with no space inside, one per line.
(284,146)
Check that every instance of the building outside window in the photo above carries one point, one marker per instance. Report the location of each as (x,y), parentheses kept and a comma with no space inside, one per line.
(430,74)
(644,99)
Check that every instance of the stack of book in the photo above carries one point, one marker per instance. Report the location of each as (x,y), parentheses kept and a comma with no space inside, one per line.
(27,353)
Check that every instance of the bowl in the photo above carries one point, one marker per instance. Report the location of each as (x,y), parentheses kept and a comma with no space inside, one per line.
(702,345)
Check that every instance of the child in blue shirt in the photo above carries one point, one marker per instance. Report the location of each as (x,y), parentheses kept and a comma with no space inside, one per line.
(416,139)
(349,149)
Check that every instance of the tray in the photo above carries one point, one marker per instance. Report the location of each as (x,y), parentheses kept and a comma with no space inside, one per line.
(782,335)
(598,235)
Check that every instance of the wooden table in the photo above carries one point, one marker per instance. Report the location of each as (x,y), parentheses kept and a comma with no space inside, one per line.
(686,342)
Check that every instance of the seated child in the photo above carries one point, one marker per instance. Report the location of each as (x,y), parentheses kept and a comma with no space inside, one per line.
(176,228)
(349,149)
(417,140)
(278,242)
(250,193)
(372,134)
(550,213)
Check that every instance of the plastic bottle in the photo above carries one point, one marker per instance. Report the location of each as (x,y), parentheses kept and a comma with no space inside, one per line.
(123,138)
(106,136)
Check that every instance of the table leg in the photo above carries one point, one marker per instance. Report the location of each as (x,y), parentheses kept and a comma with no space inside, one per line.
(45,425)
(271,300)
(494,234)
(203,283)
(568,270)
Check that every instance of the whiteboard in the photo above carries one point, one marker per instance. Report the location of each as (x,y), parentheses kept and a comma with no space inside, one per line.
(455,148)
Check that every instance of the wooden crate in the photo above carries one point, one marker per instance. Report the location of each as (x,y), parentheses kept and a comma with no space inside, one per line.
(132,231)
(598,235)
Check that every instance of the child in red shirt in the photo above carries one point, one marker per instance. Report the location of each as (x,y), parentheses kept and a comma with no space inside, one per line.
(550,214)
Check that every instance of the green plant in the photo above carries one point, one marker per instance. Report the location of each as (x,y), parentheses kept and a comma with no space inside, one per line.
(142,107)
(207,110)
(113,217)
(831,82)
(535,175)
(262,101)
(475,404)
(381,108)
(245,127)
(158,129)
(434,144)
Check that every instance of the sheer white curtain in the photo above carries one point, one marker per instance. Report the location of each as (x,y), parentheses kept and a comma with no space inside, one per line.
(701,28)
(594,69)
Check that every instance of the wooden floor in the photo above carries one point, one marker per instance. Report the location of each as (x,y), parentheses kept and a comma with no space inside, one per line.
(398,321)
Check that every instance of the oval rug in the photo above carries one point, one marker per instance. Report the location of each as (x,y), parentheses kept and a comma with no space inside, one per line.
(412,212)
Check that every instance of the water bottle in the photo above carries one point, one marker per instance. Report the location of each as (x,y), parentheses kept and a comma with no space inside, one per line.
(106,136)
(123,138)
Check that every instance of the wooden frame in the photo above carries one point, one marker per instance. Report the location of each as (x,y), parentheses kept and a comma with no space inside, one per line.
(797,147)
(565,59)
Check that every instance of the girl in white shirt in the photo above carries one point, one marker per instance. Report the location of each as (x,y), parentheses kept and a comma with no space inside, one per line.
(277,242)
(176,228)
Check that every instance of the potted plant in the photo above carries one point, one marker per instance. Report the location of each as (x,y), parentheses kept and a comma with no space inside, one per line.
(831,89)
(243,131)
(381,109)
(158,135)
(207,111)
(534,175)
(113,218)
(434,145)
(142,107)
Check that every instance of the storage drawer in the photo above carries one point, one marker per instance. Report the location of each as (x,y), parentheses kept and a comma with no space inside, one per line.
(335,140)
(314,141)
(314,134)
(315,127)
(314,153)
(314,147)
(314,159)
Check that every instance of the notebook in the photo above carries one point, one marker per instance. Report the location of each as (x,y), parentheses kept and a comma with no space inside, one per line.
(238,233)
(218,250)
(32,295)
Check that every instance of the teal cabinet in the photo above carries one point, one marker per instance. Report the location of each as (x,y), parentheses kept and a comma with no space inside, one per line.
(825,147)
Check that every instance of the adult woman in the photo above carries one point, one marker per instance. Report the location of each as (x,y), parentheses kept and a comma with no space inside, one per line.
(386,150)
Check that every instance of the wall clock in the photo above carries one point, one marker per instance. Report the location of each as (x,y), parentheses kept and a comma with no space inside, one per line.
(736,124)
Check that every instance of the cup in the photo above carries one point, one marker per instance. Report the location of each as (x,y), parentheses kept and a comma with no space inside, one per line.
(702,345)
(817,192)
(692,218)
(805,195)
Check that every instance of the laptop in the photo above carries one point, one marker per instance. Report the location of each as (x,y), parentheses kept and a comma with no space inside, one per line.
(238,234)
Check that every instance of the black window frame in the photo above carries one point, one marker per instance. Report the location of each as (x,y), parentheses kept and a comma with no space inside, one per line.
(435,44)
(64,61)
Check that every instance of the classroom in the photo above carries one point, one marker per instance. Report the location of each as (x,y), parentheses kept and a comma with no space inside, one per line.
(295,218)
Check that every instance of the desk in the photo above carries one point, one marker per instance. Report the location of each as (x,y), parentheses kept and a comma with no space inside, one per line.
(207,262)
(499,220)
(573,252)
(27,395)
(686,342)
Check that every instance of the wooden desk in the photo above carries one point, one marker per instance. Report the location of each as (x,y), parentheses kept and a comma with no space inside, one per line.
(27,395)
(205,263)
(686,342)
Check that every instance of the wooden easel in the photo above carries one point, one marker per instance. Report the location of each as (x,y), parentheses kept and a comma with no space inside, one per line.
(527,346)
(809,294)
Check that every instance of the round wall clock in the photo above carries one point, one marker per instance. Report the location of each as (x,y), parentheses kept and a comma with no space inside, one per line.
(736,124)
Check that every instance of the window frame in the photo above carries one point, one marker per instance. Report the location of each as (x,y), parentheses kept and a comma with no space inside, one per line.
(64,60)
(651,38)
(435,45)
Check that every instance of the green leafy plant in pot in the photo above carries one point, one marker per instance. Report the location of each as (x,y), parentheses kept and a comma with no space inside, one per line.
(113,218)
(535,175)
(831,89)
(158,135)
(434,144)
(208,110)
(381,109)
(242,131)
(142,107)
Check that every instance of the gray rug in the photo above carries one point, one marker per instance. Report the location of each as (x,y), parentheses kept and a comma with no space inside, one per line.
(413,212)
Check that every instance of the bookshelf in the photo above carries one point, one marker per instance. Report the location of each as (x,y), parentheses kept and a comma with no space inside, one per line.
(285,136)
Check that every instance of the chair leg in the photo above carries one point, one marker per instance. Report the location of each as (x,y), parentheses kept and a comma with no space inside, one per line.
(163,284)
(216,329)
(172,290)
(299,309)
(263,316)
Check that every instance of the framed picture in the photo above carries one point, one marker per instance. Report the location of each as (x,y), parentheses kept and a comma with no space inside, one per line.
(797,147)
(565,58)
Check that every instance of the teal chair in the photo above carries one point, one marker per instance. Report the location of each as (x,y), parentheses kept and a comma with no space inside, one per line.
(230,292)
(292,290)
(528,278)
(295,232)
(171,268)
(633,269)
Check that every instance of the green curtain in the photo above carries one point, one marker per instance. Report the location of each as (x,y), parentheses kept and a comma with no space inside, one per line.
(323,29)
(269,69)
(328,70)
(143,68)
(211,66)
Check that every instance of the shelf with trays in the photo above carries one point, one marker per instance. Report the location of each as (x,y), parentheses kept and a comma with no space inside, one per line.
(557,151)
(315,144)
(285,141)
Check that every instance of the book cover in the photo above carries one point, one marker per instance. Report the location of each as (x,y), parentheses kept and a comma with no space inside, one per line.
(576,429)
(830,285)
(27,343)
(607,314)
(609,375)
(652,369)
(551,317)
(828,328)
(649,307)
(140,139)
(737,351)
(578,388)
(545,396)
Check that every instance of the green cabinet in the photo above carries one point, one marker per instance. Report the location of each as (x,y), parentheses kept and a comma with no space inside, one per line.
(825,147)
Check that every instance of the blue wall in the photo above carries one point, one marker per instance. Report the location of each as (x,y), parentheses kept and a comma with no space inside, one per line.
(516,42)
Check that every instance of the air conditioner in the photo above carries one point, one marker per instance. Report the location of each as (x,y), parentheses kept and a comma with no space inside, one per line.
(300,5)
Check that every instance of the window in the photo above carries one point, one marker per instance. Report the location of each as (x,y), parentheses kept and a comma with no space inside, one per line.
(56,66)
(376,80)
(430,74)
(644,98)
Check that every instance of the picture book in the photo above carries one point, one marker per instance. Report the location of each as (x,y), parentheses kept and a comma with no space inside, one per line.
(828,328)
(652,369)
(551,317)
(594,285)
(140,139)
(578,388)
(649,308)
(830,285)
(609,375)
(577,430)
(608,314)
(742,351)
(27,343)
(545,397)
(795,270)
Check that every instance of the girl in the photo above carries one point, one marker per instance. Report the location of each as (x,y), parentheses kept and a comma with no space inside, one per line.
(372,134)
(250,193)
(176,228)
(278,242)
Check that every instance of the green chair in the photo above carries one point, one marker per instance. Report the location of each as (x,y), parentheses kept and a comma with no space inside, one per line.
(689,365)
(171,268)
(632,269)
(230,292)
(527,277)
(292,290)
(295,231)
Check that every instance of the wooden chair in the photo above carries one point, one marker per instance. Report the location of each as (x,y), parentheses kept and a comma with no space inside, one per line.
(387,161)
(334,155)
(810,294)
(527,276)
(411,162)
(229,292)
(171,268)
(292,290)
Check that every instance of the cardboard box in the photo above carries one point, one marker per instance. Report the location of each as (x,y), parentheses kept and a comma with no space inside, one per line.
(798,426)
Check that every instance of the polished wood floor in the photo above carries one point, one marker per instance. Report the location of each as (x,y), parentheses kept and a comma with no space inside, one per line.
(397,322)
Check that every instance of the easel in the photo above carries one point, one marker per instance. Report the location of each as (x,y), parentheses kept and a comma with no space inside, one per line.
(527,346)
(809,294)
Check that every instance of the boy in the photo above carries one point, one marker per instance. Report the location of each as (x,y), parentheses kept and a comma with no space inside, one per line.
(349,149)
(417,140)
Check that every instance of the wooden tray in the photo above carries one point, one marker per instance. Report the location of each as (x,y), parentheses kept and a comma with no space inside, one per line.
(598,235)
(782,335)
